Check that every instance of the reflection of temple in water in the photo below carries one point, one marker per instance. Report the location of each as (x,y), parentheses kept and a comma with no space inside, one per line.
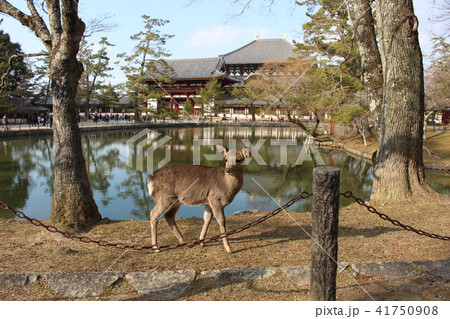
(237,132)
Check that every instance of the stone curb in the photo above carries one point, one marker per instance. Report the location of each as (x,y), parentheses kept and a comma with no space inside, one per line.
(394,269)
(169,285)
(16,280)
(247,274)
(161,285)
(81,284)
(300,275)
(439,268)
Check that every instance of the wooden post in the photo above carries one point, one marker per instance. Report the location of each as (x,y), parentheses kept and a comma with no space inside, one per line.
(325,215)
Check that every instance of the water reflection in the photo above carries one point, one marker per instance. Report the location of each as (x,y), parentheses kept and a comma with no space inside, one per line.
(26,167)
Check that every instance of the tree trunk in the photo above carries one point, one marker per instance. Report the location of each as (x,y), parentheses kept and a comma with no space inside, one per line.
(137,114)
(252,111)
(372,75)
(73,207)
(399,170)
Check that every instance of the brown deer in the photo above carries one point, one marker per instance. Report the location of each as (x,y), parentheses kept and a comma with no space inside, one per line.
(214,187)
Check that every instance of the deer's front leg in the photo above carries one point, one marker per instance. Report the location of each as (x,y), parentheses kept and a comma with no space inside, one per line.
(220,217)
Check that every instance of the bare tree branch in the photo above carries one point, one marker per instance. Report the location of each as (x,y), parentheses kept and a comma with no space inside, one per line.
(33,22)
(39,25)
(100,24)
(10,66)
(54,16)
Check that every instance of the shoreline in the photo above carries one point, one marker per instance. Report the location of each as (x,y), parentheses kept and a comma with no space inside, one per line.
(367,156)
(89,127)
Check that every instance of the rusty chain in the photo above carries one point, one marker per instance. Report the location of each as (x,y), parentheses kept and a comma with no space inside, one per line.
(151,248)
(302,195)
(371,209)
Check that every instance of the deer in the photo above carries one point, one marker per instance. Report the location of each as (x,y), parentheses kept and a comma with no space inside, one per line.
(215,187)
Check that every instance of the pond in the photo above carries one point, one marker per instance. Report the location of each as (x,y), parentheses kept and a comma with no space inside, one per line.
(118,162)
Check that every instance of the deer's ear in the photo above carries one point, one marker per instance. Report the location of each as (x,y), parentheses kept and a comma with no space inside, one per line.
(223,150)
(246,152)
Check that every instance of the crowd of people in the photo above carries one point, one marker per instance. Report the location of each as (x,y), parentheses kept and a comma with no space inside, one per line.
(46,119)
(96,117)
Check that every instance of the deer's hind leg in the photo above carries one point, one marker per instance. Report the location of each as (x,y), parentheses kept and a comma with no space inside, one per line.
(155,215)
(170,218)
(207,216)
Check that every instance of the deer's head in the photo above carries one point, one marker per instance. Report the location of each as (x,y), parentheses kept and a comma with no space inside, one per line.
(234,158)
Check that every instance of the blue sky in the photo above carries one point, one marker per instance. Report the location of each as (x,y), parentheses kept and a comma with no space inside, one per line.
(202,28)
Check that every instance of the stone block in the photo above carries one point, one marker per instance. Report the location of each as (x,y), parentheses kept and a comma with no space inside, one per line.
(81,284)
(247,274)
(12,280)
(439,268)
(394,269)
(161,285)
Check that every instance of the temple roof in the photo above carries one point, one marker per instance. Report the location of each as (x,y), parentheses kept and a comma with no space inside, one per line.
(261,51)
(206,68)
(256,52)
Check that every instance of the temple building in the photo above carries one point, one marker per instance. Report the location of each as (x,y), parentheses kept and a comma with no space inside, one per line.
(230,70)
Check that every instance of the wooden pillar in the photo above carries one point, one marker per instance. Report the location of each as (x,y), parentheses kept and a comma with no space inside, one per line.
(325,215)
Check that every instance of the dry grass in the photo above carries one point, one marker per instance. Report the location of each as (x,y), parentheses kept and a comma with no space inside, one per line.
(276,242)
(437,142)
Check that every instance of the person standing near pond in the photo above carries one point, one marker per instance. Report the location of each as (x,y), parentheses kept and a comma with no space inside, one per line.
(5,122)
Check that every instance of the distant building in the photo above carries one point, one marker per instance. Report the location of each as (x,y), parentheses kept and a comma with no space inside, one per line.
(249,58)
(231,69)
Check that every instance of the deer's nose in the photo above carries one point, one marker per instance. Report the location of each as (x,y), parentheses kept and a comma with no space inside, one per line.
(228,170)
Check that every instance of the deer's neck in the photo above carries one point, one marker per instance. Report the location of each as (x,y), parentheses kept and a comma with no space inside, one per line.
(234,180)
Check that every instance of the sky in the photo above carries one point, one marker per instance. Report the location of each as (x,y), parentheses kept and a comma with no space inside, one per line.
(201,28)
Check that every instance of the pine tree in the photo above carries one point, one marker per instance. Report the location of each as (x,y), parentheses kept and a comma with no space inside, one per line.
(146,63)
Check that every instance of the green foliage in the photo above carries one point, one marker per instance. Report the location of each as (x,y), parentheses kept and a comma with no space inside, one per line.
(321,92)
(188,107)
(347,114)
(249,94)
(108,95)
(146,61)
(96,67)
(329,37)
(208,96)
(437,77)
(5,108)
(19,67)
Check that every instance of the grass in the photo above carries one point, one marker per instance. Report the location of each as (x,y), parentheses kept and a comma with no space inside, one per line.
(437,142)
(279,241)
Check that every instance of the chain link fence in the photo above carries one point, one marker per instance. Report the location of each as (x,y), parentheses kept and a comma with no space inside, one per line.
(302,195)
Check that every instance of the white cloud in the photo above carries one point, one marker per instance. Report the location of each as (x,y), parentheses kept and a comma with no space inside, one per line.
(223,35)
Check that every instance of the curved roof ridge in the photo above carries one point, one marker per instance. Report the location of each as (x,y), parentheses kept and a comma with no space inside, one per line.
(260,51)
(223,55)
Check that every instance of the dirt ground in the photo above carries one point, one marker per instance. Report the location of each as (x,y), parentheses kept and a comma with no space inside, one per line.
(280,241)
(437,146)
